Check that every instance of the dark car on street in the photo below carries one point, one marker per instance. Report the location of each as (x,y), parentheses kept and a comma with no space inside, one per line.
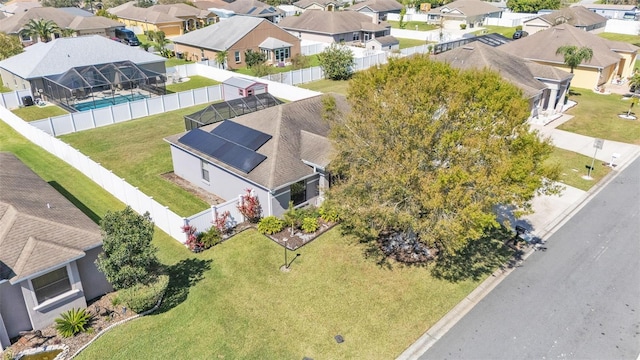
(519,34)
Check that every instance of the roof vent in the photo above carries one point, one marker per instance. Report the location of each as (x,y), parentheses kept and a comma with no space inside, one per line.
(468,47)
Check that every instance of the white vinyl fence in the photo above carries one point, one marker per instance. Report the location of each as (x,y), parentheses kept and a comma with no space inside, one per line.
(205,219)
(623,27)
(11,100)
(312,49)
(73,122)
(164,218)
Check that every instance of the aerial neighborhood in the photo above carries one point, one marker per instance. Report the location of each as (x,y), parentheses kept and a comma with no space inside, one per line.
(319,179)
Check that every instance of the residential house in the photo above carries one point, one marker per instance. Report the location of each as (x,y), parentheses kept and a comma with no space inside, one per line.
(577,16)
(544,86)
(377,9)
(611,11)
(225,9)
(612,60)
(468,13)
(17,7)
(386,43)
(27,70)
(287,164)
(47,252)
(324,5)
(350,27)
(237,35)
(83,22)
(172,19)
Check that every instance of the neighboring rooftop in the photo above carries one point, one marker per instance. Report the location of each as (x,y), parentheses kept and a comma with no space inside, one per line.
(466,8)
(377,6)
(63,17)
(39,228)
(578,16)
(222,35)
(253,8)
(537,46)
(516,70)
(303,4)
(59,55)
(331,22)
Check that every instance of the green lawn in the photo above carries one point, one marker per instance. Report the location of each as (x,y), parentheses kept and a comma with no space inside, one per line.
(135,150)
(573,167)
(195,82)
(407,43)
(597,116)
(632,39)
(31,113)
(502,30)
(325,86)
(175,62)
(411,25)
(246,308)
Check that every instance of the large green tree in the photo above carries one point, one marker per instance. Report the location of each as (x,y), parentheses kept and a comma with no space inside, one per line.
(253,58)
(430,150)
(337,62)
(9,45)
(41,29)
(574,56)
(128,258)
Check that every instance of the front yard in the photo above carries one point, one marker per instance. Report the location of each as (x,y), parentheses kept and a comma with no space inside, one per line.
(573,168)
(596,115)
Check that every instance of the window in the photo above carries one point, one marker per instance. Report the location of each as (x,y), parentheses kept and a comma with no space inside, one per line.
(25,37)
(282,54)
(356,36)
(237,56)
(298,192)
(249,92)
(51,285)
(205,172)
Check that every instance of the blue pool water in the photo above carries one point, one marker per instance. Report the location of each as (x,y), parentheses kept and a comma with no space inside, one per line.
(100,103)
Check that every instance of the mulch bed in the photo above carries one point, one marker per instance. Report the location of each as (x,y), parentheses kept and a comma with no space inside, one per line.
(297,238)
(105,315)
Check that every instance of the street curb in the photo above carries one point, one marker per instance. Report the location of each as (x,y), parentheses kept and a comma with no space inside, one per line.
(440,328)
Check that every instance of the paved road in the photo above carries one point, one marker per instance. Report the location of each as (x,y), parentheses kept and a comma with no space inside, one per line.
(578,300)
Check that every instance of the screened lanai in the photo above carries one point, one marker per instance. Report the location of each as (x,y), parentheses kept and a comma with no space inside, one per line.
(229,109)
(95,86)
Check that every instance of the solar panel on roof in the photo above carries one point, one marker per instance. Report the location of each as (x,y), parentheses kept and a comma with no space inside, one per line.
(241,135)
(232,154)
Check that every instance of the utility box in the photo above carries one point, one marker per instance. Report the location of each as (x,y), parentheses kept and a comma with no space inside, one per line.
(27,101)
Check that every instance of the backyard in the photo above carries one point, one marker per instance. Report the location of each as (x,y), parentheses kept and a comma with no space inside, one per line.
(408,43)
(491,29)
(413,25)
(597,116)
(327,86)
(194,82)
(32,113)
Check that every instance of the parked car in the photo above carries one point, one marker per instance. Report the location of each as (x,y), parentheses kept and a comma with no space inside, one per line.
(127,36)
(519,34)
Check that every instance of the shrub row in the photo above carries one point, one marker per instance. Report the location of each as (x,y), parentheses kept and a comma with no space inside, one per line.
(141,297)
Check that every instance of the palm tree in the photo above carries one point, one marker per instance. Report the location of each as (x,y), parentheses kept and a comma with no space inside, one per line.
(634,82)
(574,56)
(41,28)
(221,58)
(67,32)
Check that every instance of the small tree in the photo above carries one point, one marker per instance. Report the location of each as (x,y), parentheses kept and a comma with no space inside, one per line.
(221,58)
(253,58)
(300,62)
(337,62)
(574,56)
(249,207)
(128,258)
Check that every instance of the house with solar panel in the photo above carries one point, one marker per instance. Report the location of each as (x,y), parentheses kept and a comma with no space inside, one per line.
(281,153)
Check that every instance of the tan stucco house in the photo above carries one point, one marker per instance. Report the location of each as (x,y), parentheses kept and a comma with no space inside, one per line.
(577,16)
(172,19)
(611,60)
(237,35)
(470,13)
(324,5)
(47,252)
(377,9)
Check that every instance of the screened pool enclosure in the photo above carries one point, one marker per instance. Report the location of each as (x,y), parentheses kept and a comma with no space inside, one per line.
(93,86)
(229,109)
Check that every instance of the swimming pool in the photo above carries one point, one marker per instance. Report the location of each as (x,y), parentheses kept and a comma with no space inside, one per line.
(110,101)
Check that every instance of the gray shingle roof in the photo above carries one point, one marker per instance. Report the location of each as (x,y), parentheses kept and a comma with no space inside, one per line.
(516,70)
(543,45)
(303,4)
(377,5)
(575,15)
(387,40)
(33,237)
(62,18)
(467,8)
(330,22)
(241,7)
(60,55)
(131,12)
(220,36)
(299,133)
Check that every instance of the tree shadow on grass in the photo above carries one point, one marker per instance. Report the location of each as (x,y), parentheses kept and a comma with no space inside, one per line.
(477,259)
(182,276)
(79,204)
